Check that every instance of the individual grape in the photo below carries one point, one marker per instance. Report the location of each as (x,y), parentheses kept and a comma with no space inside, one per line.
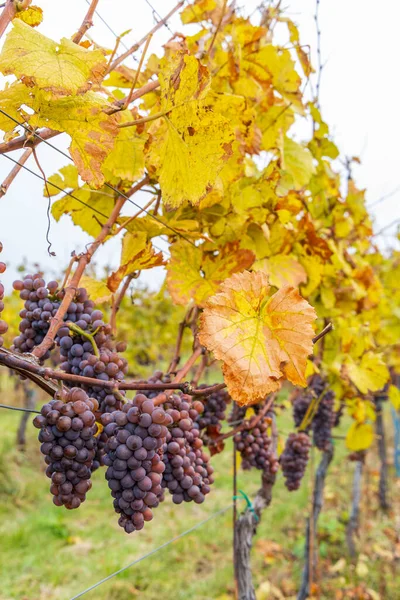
(69,445)
(294,459)
(134,466)
(3,267)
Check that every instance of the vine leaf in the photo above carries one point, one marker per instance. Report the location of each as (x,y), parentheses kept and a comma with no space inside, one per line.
(368,375)
(188,148)
(137,254)
(97,290)
(282,270)
(261,338)
(194,274)
(126,160)
(360,436)
(61,68)
(297,164)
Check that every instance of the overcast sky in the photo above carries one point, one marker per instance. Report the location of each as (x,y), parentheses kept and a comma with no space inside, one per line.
(359,98)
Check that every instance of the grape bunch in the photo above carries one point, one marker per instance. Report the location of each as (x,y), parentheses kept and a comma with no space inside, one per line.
(135,435)
(294,459)
(3,324)
(188,472)
(255,447)
(68,442)
(323,421)
(214,413)
(324,417)
(41,304)
(79,357)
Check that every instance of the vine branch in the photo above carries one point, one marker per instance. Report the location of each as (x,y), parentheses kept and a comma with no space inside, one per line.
(86,23)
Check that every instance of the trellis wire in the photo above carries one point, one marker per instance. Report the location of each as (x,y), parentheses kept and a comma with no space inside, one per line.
(20,409)
(148,554)
(68,193)
(111,187)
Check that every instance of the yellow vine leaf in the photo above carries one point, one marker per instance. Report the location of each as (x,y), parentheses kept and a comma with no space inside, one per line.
(60,68)
(11,100)
(137,254)
(97,290)
(360,436)
(86,209)
(370,375)
(92,132)
(32,16)
(126,160)
(193,274)
(394,397)
(66,179)
(297,164)
(282,270)
(261,338)
(199,10)
(188,148)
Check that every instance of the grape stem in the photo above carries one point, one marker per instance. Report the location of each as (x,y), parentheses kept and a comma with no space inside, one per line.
(322,333)
(76,329)
(7,15)
(57,321)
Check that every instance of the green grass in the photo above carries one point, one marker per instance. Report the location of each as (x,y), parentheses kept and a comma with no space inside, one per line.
(50,553)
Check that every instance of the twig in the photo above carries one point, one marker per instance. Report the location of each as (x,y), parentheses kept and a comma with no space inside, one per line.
(218,26)
(14,172)
(7,15)
(145,89)
(321,334)
(86,23)
(137,45)
(83,261)
(68,271)
(117,302)
(133,217)
(200,370)
(129,97)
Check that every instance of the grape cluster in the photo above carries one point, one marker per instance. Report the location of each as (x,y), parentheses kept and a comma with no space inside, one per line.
(324,421)
(67,434)
(324,417)
(255,447)
(214,413)
(135,434)
(79,358)
(3,324)
(294,459)
(41,304)
(188,472)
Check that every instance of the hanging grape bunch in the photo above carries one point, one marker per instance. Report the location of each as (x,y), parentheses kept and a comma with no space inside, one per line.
(316,405)
(188,472)
(256,448)
(214,413)
(294,459)
(135,434)
(68,442)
